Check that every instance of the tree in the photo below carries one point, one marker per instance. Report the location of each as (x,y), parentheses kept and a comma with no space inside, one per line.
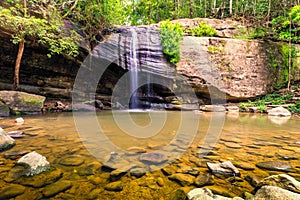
(37,20)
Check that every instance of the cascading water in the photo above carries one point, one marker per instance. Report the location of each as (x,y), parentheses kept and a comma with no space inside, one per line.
(133,70)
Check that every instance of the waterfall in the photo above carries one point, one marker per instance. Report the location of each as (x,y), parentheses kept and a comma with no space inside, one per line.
(133,70)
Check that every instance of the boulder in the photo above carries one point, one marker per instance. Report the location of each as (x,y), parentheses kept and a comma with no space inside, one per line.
(275,193)
(35,162)
(283,181)
(224,168)
(153,158)
(275,166)
(279,111)
(21,102)
(182,179)
(213,108)
(6,142)
(206,194)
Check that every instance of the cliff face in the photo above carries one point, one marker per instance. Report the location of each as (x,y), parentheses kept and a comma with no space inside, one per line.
(239,68)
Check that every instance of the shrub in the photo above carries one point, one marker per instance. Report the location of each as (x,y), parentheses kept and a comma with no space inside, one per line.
(171,34)
(202,30)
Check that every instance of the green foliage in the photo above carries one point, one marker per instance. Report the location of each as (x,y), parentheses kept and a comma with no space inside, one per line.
(202,30)
(47,30)
(171,35)
(287,28)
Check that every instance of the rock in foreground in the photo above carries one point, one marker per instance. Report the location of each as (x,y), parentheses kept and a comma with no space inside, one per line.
(275,193)
(36,162)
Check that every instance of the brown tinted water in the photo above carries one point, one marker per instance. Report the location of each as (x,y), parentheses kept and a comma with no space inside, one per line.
(77,158)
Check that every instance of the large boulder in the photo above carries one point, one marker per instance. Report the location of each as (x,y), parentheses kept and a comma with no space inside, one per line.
(283,181)
(21,102)
(4,109)
(275,193)
(6,142)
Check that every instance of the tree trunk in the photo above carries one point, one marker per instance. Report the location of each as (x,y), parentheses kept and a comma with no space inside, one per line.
(230,7)
(17,65)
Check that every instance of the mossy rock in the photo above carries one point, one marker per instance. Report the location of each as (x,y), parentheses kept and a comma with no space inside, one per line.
(21,102)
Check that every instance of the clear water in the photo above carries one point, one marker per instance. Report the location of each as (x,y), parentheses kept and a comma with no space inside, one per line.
(244,139)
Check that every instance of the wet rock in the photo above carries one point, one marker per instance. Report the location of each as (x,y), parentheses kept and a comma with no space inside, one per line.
(153,158)
(204,179)
(82,107)
(179,194)
(6,142)
(36,162)
(13,155)
(15,134)
(232,145)
(182,179)
(73,160)
(232,108)
(94,194)
(253,179)
(19,120)
(135,150)
(200,194)
(15,173)
(275,165)
(224,168)
(275,193)
(245,166)
(11,191)
(114,186)
(213,108)
(283,181)
(279,111)
(137,172)
(286,157)
(57,187)
(160,182)
(41,180)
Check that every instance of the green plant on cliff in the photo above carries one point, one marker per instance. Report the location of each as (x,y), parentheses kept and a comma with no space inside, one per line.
(171,35)
(202,30)
(35,20)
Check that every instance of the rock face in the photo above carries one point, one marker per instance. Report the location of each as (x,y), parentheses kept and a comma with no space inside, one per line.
(212,66)
(21,102)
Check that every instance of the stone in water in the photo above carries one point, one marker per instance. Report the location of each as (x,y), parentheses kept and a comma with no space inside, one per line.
(36,162)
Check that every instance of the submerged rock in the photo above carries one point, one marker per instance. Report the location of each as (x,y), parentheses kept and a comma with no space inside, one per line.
(224,168)
(11,191)
(182,179)
(276,166)
(283,181)
(153,158)
(36,163)
(72,161)
(275,193)
(204,179)
(138,172)
(200,193)
(6,142)
(279,111)
(114,186)
(56,188)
